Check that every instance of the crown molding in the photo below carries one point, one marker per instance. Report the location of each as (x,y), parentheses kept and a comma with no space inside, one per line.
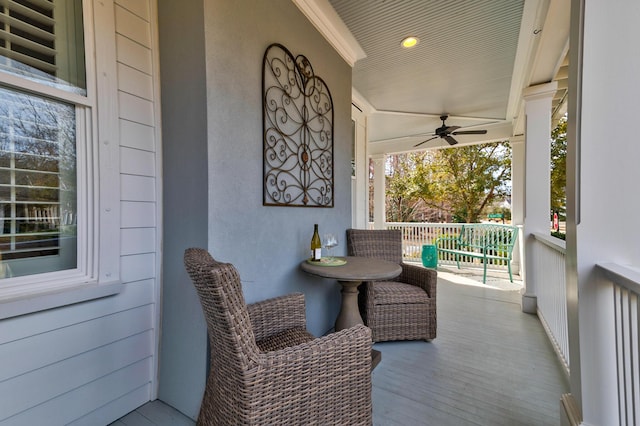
(361,102)
(326,20)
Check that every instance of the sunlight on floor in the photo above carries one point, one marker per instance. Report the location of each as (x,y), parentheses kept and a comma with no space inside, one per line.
(496,280)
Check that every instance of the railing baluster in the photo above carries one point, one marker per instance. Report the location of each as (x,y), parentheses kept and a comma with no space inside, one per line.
(634,330)
(626,327)
(627,354)
(416,235)
(633,356)
(619,309)
(550,284)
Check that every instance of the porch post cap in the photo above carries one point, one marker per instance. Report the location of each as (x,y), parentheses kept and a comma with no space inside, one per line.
(540,91)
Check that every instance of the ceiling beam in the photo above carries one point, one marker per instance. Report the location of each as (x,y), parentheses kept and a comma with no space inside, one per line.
(549,54)
(530,29)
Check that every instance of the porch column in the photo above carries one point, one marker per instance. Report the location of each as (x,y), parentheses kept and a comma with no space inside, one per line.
(517,200)
(360,179)
(379,213)
(537,179)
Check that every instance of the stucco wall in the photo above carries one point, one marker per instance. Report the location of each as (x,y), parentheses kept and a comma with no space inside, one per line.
(266,244)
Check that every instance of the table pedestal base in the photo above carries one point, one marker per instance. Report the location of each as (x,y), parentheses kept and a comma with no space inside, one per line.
(376,357)
(349,313)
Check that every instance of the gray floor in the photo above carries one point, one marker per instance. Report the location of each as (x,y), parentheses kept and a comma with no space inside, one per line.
(155,413)
(490,365)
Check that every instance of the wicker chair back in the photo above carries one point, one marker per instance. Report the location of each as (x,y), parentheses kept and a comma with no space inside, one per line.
(377,243)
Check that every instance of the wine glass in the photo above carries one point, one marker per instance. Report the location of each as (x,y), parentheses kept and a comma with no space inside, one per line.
(330,241)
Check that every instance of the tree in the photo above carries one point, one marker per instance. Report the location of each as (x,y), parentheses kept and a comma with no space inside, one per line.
(466,179)
(559,167)
(401,198)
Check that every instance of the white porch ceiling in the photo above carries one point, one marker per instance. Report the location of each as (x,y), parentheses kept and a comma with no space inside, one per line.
(472,63)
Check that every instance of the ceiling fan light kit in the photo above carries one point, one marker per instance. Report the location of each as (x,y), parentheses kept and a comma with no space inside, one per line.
(445,132)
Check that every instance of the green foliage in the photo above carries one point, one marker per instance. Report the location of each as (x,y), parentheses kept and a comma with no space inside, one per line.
(558,234)
(401,189)
(559,168)
(463,181)
(468,179)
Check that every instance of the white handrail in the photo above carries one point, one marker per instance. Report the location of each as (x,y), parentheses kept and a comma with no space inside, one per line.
(623,276)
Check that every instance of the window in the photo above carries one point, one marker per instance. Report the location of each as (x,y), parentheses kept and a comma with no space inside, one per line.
(37,184)
(44,114)
(43,41)
(59,156)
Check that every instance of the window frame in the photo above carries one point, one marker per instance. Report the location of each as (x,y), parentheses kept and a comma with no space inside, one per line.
(97,273)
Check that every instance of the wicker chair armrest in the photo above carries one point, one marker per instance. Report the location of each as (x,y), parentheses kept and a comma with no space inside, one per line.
(316,382)
(350,349)
(427,279)
(272,316)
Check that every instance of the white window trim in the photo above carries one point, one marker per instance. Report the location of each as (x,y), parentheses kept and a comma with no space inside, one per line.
(98,174)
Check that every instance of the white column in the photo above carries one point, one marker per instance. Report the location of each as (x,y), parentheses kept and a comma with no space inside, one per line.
(517,200)
(360,182)
(537,182)
(602,188)
(379,213)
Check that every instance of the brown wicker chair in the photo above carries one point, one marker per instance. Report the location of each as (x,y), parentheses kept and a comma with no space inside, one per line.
(266,368)
(402,309)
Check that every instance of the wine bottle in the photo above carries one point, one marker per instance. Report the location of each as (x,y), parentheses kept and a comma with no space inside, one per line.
(316,244)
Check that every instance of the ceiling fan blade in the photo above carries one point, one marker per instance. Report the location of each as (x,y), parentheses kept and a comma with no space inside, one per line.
(450,140)
(470,132)
(450,129)
(430,139)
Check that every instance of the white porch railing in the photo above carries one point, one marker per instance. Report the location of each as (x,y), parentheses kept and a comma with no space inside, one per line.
(415,235)
(550,284)
(625,285)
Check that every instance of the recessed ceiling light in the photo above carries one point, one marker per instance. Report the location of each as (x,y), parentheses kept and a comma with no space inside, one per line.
(409,42)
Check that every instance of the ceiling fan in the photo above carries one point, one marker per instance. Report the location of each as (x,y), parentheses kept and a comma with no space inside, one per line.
(445,132)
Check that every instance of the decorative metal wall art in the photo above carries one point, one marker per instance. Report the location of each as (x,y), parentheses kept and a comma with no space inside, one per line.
(298,132)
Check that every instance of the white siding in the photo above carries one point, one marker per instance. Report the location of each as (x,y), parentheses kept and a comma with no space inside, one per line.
(138,240)
(135,135)
(133,54)
(92,362)
(137,162)
(135,82)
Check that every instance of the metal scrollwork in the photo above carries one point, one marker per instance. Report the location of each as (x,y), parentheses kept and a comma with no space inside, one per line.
(298,132)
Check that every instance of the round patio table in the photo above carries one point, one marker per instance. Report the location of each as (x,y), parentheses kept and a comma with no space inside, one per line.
(350,275)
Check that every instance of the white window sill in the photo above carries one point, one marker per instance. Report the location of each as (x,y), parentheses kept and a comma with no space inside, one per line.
(27,304)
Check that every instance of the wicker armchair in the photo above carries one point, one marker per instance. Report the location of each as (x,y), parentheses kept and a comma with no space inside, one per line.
(402,309)
(266,368)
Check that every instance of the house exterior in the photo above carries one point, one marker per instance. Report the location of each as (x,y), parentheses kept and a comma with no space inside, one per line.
(83,347)
(169,156)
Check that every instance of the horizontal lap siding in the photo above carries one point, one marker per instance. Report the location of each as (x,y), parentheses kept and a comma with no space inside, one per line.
(93,362)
